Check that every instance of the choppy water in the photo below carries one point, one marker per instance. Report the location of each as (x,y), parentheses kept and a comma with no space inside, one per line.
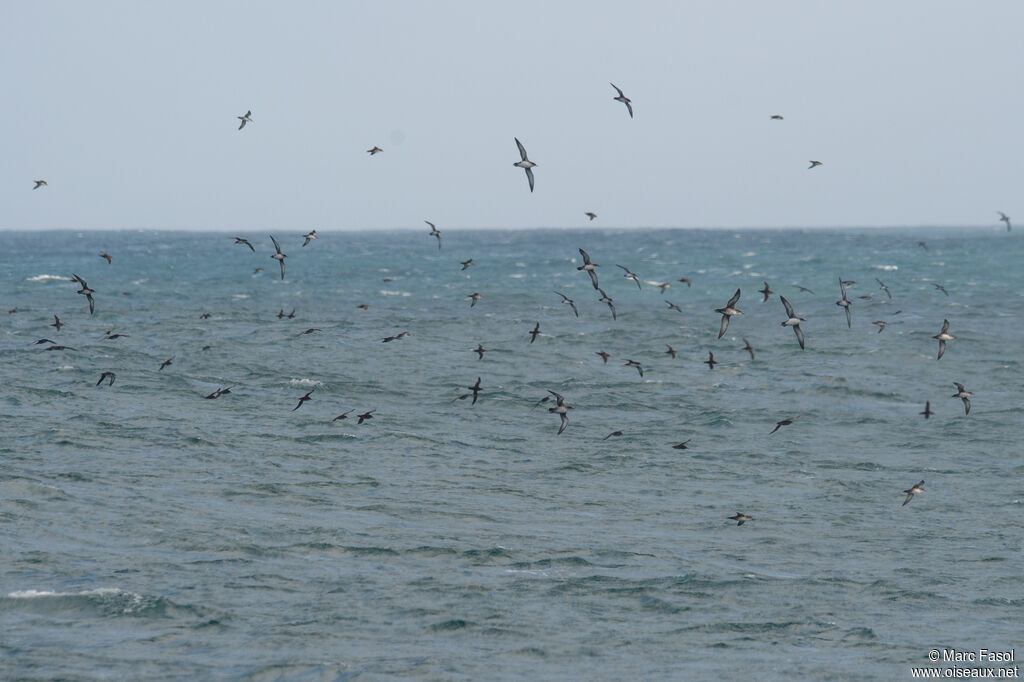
(148,533)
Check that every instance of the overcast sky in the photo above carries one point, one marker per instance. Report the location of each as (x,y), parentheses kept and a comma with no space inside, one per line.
(128,110)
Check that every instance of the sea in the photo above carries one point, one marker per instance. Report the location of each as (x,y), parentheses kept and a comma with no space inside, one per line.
(150,531)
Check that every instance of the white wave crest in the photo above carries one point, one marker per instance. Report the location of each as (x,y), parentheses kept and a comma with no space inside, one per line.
(305,382)
(887,268)
(48,278)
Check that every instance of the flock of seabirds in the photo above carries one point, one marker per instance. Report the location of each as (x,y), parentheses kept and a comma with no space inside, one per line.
(561,408)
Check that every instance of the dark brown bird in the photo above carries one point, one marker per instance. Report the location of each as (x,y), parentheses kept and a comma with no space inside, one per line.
(534,332)
(767,291)
(671,351)
(343,415)
(779,425)
(710,362)
(107,375)
(682,446)
(749,348)
(85,291)
(399,335)
(928,409)
(166,362)
(480,350)
(613,433)
(365,415)
(604,356)
(57,324)
(218,393)
(476,390)
(106,256)
(303,399)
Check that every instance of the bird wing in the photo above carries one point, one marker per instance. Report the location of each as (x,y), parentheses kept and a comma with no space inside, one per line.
(277,246)
(529,176)
(732,301)
(799,335)
(789,308)
(724,326)
(522,149)
(618,90)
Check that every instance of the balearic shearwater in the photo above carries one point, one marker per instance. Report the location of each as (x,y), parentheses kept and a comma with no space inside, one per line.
(534,332)
(241,240)
(964,395)
(793,320)
(561,409)
(927,409)
(622,98)
(634,363)
(767,291)
(740,518)
(589,267)
(308,237)
(279,257)
(728,311)
(605,298)
(85,291)
(525,163)
(710,362)
(1002,216)
(813,164)
(40,183)
(630,275)
(244,119)
(303,399)
(374,150)
(569,302)
(434,232)
(590,214)
(107,375)
(844,302)
(748,347)
(911,491)
(943,336)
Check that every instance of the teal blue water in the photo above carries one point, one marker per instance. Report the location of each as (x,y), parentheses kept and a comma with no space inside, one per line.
(149,533)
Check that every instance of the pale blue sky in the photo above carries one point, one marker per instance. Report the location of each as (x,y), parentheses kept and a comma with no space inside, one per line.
(128,110)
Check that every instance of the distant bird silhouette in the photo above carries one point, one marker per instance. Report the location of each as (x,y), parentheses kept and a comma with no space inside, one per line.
(343,415)
(399,335)
(710,362)
(686,281)
(613,433)
(534,332)
(923,245)
(1002,216)
(40,183)
(776,117)
(467,263)
(671,351)
(479,350)
(749,348)
(308,237)
(57,324)
(928,409)
(107,375)
(682,446)
(604,356)
(779,425)
(365,415)
(476,390)
(813,164)
(166,362)
(374,150)
(241,240)
(634,363)
(673,306)
(881,285)
(590,215)
(106,256)
(804,289)
(622,98)
(940,288)
(475,296)
(767,291)
(245,119)
(881,325)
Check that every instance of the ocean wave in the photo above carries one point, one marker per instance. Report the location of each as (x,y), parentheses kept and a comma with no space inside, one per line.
(886,268)
(306,382)
(48,278)
(388,292)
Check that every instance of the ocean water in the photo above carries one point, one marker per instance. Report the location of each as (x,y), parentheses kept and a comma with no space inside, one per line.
(149,533)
